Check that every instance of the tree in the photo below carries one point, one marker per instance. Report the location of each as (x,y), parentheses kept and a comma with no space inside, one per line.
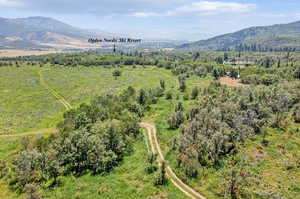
(297,72)
(162,84)
(142,98)
(176,119)
(32,192)
(25,143)
(169,95)
(3,168)
(236,179)
(161,178)
(226,57)
(52,167)
(216,74)
(116,73)
(182,85)
(179,107)
(151,167)
(279,63)
(196,56)
(195,93)
(296,114)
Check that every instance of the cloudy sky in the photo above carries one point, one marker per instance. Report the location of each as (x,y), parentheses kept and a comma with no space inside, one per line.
(163,19)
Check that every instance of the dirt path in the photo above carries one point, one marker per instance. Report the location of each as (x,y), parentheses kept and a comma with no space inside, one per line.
(228,81)
(60,98)
(37,132)
(155,148)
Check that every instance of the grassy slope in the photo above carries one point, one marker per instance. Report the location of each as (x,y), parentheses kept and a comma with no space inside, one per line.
(77,85)
(25,105)
(278,166)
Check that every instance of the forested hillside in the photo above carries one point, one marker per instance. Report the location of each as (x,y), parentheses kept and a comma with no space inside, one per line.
(264,38)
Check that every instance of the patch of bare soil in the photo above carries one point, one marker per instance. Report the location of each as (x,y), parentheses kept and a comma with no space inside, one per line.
(228,81)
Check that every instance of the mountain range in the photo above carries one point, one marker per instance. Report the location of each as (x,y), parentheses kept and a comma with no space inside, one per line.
(272,37)
(42,32)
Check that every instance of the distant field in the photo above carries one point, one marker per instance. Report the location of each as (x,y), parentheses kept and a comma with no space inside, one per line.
(25,105)
(16,53)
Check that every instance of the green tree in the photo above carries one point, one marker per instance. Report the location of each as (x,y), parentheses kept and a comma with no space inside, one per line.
(179,107)
(169,95)
(182,85)
(142,98)
(216,74)
(161,178)
(116,73)
(162,84)
(297,72)
(32,191)
(195,93)
(175,119)
(151,167)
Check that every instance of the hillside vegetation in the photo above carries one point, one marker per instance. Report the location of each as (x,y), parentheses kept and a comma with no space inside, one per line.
(264,38)
(222,141)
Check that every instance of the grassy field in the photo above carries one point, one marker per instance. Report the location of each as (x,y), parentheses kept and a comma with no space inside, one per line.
(16,53)
(26,105)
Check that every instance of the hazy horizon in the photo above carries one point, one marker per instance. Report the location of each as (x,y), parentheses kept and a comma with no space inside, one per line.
(175,19)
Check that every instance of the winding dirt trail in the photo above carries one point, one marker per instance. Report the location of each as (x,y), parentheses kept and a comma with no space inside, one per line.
(155,148)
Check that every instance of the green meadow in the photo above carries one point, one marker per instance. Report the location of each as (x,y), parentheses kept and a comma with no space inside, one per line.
(26,105)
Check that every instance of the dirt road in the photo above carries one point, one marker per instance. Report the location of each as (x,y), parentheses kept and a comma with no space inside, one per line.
(155,148)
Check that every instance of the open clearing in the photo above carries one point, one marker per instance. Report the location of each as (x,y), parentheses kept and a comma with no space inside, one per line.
(26,105)
(228,81)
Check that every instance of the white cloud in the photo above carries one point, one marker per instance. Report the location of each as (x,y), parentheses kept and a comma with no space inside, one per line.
(203,8)
(270,15)
(145,14)
(10,3)
(213,7)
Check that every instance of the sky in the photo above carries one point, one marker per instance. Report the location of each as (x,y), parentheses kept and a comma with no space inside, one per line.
(159,19)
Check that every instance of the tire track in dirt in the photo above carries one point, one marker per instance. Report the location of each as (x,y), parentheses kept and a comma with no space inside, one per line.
(60,98)
(155,148)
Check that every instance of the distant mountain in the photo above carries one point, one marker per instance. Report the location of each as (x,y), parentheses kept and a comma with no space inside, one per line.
(276,36)
(42,32)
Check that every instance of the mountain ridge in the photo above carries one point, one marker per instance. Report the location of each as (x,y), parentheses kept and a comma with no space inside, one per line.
(267,36)
(41,32)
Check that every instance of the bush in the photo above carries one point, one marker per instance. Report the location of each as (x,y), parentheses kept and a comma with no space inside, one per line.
(296,114)
(161,178)
(176,119)
(195,93)
(116,73)
(169,95)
